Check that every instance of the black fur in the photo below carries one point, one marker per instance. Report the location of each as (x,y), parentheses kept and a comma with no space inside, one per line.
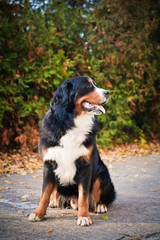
(55,124)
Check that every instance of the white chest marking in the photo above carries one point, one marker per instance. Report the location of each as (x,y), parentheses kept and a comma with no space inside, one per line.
(70,149)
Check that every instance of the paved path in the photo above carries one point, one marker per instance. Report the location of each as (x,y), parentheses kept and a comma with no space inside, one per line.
(134,215)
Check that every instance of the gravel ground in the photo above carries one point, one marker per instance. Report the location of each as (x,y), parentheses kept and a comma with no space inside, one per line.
(134,215)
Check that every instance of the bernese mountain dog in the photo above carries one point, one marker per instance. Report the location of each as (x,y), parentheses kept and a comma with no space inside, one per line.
(72,168)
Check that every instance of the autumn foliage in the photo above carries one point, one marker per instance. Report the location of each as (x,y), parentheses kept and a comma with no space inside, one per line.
(43,43)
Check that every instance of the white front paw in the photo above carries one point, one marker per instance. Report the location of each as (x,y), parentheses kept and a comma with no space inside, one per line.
(84,221)
(33,218)
(101,208)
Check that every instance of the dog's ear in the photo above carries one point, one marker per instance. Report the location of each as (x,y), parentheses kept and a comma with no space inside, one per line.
(56,99)
(70,105)
(69,86)
(70,92)
(63,96)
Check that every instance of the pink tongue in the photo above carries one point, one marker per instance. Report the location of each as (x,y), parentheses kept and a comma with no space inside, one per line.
(90,105)
(101,108)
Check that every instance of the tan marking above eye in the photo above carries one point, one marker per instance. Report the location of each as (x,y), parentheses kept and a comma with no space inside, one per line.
(89,85)
(89,80)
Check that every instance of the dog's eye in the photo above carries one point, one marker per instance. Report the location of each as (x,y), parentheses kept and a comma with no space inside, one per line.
(89,85)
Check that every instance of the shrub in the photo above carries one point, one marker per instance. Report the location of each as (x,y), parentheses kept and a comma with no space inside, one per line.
(114,42)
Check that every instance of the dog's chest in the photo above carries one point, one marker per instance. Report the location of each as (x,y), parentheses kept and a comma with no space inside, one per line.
(70,149)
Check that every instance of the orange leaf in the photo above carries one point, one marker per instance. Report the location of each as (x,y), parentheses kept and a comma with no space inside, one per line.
(8,182)
(4,188)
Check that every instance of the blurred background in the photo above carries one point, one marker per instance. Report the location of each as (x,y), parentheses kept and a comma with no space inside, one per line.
(115,42)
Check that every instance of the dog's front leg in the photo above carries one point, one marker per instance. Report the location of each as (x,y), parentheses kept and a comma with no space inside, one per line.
(49,184)
(83,206)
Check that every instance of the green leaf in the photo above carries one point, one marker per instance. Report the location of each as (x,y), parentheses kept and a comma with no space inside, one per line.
(104,218)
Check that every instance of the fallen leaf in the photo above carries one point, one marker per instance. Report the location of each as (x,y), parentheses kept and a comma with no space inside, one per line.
(129,169)
(104,218)
(14,206)
(22,182)
(19,211)
(1,196)
(143,170)
(110,166)
(4,188)
(8,182)
(49,230)
(25,196)
(137,175)
(24,173)
(154,190)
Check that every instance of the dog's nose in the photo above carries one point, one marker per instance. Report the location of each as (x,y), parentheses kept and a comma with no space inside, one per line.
(106,93)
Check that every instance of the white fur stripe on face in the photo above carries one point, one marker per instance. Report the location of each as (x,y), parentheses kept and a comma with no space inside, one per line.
(101,92)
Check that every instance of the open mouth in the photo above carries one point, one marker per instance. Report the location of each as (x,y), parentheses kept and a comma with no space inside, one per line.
(97,109)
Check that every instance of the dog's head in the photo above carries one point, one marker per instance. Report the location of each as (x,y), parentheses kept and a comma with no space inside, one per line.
(80,94)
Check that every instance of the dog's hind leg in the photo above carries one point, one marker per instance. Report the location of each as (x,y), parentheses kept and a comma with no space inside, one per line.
(97,205)
(55,199)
